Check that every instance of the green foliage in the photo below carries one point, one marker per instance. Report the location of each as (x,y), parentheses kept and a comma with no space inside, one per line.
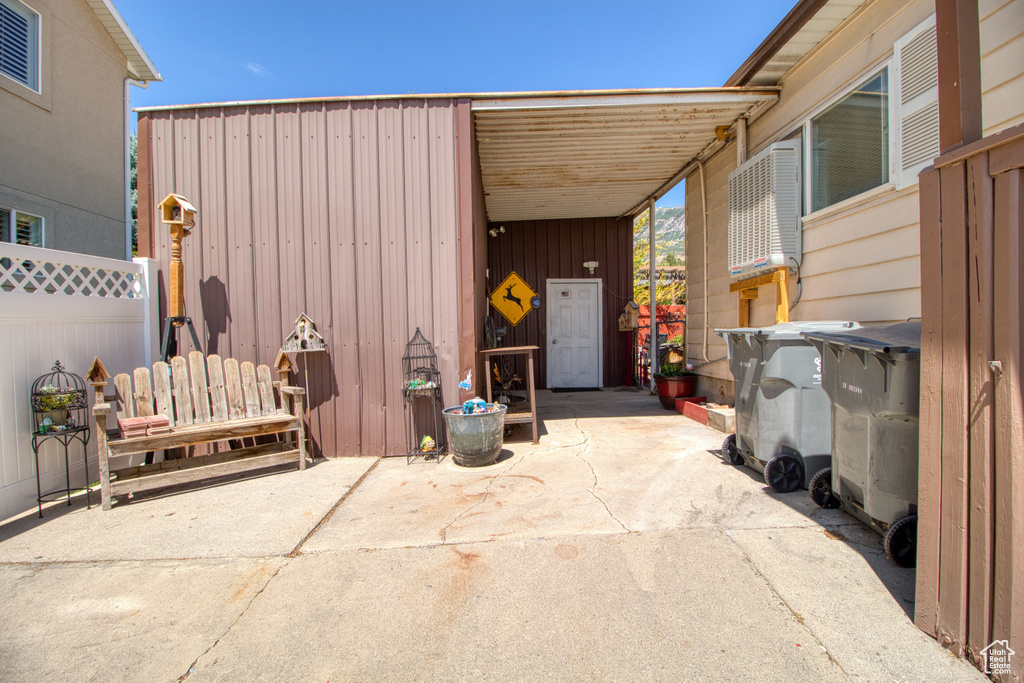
(670,293)
(677,340)
(667,369)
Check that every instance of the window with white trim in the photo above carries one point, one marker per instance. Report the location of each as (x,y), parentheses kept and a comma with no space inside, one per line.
(20,228)
(19,43)
(882,131)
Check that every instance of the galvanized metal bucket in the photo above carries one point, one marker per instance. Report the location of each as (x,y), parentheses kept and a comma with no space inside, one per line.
(475,440)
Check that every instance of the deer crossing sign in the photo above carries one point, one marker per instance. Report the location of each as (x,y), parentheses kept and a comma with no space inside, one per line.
(512,298)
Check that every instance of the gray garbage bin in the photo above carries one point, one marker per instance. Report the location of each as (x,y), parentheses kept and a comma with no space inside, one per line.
(872,376)
(782,414)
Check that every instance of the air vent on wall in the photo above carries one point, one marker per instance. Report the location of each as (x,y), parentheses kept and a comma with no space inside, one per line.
(764,211)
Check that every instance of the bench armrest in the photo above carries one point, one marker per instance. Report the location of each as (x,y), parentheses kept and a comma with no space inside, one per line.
(293,391)
(101,409)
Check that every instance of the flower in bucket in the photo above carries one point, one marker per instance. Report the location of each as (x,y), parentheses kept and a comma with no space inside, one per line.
(675,369)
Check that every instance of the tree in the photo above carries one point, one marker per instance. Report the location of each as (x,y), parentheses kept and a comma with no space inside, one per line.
(133,154)
(670,293)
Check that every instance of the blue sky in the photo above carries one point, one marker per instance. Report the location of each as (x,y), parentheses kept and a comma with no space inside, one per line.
(228,50)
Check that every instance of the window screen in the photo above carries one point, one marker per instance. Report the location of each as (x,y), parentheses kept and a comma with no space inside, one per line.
(850,144)
(19,43)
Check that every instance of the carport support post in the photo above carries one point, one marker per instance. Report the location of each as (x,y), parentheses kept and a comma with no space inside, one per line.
(653,287)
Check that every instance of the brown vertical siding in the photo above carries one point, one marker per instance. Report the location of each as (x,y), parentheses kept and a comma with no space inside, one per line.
(343,210)
(543,250)
(970,575)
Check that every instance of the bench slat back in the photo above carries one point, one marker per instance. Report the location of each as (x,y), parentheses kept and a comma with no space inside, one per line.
(266,386)
(251,391)
(233,377)
(218,392)
(143,393)
(200,390)
(162,391)
(181,390)
(123,391)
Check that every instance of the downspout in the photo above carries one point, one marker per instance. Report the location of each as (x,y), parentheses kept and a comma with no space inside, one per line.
(704,209)
(128,82)
(652,285)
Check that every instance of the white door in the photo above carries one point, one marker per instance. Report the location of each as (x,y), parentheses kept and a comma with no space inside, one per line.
(574,334)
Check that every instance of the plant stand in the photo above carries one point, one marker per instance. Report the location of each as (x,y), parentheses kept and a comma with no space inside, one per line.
(422,401)
(60,411)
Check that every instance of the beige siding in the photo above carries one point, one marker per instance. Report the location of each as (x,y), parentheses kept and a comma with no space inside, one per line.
(1002,63)
(69,139)
(861,258)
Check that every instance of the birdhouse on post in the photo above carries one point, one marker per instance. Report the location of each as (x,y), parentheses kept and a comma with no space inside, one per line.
(180,215)
(304,338)
(98,377)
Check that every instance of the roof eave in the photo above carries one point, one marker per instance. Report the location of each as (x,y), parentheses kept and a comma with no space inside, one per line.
(140,67)
(803,12)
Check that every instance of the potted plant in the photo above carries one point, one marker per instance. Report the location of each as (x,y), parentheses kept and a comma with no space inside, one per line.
(57,401)
(674,380)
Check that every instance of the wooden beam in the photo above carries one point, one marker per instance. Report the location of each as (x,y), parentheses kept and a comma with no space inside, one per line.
(748,294)
(766,279)
(959,50)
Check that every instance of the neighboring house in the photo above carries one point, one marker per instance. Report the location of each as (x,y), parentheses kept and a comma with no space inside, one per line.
(65,69)
(860,100)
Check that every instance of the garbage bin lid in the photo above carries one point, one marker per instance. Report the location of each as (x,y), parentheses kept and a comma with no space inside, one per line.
(791,330)
(899,340)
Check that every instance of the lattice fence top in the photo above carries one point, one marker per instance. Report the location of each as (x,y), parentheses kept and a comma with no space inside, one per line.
(26,270)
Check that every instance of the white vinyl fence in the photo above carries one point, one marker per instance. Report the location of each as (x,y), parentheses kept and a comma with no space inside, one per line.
(58,306)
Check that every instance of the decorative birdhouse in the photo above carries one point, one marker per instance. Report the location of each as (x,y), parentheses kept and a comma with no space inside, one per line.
(630,317)
(176,210)
(304,338)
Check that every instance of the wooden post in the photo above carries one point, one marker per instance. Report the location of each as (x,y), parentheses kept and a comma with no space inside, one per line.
(782,297)
(176,291)
(959,51)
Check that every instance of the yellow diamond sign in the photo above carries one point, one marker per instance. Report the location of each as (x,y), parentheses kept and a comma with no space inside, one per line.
(512,298)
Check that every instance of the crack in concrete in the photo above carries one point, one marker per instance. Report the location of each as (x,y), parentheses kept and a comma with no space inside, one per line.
(487,494)
(241,614)
(586,446)
(796,615)
(326,518)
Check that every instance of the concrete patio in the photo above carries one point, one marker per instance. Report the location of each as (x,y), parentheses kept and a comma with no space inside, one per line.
(621,547)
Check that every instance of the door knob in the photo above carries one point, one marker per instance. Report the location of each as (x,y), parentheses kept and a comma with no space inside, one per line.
(554,341)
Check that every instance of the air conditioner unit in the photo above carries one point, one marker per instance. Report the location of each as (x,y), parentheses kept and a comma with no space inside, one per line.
(764,211)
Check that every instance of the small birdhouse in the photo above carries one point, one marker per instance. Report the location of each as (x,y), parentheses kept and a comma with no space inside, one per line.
(176,210)
(630,317)
(304,338)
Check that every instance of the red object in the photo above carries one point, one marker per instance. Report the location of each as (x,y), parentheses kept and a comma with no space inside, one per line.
(695,412)
(683,400)
(671,388)
(132,426)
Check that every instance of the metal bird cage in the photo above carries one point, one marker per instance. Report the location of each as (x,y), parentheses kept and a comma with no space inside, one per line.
(422,380)
(59,402)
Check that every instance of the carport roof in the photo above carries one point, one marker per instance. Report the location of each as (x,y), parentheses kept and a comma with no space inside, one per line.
(597,153)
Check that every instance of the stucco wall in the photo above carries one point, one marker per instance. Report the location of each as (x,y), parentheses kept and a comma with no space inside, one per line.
(68,140)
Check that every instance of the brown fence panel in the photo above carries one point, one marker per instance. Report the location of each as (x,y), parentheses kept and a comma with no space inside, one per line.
(970,575)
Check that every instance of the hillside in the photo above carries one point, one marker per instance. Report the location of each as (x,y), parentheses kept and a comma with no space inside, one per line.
(670,233)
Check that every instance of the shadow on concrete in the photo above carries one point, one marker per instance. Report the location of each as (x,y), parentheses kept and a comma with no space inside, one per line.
(899,581)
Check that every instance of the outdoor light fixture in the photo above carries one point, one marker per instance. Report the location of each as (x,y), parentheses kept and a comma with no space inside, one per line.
(493,232)
(591,265)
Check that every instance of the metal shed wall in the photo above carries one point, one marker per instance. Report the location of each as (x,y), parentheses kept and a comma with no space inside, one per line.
(344,210)
(539,250)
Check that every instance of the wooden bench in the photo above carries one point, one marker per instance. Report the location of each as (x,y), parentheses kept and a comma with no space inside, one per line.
(207,401)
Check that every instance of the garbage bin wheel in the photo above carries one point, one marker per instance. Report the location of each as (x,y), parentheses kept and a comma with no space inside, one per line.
(901,541)
(784,473)
(729,446)
(821,490)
